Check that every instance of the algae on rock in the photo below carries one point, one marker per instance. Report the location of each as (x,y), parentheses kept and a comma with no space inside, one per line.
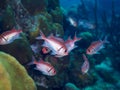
(12,75)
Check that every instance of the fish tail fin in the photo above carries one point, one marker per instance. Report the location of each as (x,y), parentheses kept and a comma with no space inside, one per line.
(42,36)
(18,36)
(105,40)
(75,38)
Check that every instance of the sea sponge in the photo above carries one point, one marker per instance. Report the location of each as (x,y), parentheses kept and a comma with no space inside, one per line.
(12,75)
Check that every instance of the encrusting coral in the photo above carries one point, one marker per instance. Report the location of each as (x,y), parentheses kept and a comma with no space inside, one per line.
(12,75)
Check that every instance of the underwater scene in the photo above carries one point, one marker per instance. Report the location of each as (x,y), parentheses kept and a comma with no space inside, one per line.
(59,45)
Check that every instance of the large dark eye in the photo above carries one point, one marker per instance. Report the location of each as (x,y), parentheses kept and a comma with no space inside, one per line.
(54,71)
(88,50)
(65,50)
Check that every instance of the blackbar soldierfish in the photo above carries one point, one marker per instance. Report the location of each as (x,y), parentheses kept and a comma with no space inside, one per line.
(9,36)
(45,67)
(85,67)
(96,46)
(55,44)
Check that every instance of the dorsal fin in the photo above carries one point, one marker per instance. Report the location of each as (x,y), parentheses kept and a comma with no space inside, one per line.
(68,40)
(11,31)
(95,42)
(48,64)
(59,39)
(43,62)
(75,38)
(56,38)
(51,36)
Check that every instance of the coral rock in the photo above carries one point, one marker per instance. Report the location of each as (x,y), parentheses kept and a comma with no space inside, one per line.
(12,75)
(71,86)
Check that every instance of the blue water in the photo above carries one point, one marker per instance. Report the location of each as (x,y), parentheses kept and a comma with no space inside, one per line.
(103,5)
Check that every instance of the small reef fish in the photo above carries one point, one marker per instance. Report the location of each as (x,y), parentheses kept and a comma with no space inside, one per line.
(86,24)
(85,67)
(96,46)
(55,44)
(45,50)
(70,44)
(45,67)
(72,22)
(9,36)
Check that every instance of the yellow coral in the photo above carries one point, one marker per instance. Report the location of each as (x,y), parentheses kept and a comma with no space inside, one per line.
(13,76)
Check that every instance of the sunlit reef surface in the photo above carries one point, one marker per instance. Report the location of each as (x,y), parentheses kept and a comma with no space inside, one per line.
(91,20)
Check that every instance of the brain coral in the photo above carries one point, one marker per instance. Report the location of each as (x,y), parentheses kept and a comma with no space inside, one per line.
(13,76)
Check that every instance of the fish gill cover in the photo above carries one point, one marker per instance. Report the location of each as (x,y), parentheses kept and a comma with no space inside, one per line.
(63,44)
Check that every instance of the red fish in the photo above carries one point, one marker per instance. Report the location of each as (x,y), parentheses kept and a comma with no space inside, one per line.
(96,46)
(9,36)
(70,44)
(55,44)
(45,67)
(85,67)
(45,50)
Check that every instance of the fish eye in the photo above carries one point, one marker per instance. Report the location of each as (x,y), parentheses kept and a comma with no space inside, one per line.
(54,71)
(65,50)
(88,50)
(46,49)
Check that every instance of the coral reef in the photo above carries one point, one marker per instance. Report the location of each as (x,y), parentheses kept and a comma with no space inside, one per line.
(52,4)
(6,18)
(32,16)
(13,76)
(71,86)
(57,15)
(103,86)
(35,7)
(105,69)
